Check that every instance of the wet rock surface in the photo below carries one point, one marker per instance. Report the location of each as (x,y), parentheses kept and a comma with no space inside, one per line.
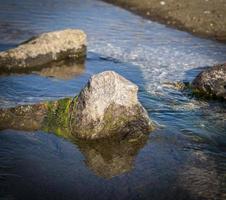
(201,17)
(211,82)
(108,106)
(26,117)
(42,50)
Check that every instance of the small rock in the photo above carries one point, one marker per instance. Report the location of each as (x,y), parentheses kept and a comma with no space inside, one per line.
(207,12)
(211,82)
(162,3)
(108,106)
(175,85)
(69,44)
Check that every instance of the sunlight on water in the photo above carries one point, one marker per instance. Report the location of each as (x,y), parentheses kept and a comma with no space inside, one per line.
(183,159)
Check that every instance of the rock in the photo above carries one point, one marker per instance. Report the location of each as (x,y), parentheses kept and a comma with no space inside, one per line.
(108,106)
(40,51)
(175,85)
(25,117)
(211,82)
(50,116)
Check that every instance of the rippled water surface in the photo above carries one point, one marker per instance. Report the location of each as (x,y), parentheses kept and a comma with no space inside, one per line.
(185,158)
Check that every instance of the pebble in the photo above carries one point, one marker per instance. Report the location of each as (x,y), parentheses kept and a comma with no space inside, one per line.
(207,12)
(162,3)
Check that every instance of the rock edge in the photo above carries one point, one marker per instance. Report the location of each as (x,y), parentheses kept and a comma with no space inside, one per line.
(44,49)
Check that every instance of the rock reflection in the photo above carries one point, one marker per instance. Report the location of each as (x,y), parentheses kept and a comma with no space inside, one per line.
(109,158)
(63,70)
(104,157)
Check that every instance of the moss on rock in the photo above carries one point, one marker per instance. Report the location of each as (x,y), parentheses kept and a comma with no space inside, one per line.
(57,118)
(107,107)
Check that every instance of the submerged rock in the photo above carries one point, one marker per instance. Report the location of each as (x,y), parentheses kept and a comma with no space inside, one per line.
(50,116)
(40,51)
(211,82)
(108,106)
(175,85)
(26,117)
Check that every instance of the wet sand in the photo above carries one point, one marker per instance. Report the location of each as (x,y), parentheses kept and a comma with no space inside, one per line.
(201,17)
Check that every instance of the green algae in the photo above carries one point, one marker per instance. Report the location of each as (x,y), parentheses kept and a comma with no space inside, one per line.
(51,116)
(57,118)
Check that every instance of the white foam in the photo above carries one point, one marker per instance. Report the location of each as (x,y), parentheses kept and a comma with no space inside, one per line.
(163,54)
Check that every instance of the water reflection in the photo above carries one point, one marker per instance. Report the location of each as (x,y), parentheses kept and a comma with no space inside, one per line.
(35,163)
(109,158)
(106,158)
(48,167)
(64,70)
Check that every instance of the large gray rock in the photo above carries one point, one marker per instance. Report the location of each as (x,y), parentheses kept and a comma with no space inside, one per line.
(69,44)
(108,106)
(211,82)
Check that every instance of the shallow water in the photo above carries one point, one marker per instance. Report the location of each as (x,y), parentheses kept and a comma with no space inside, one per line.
(185,158)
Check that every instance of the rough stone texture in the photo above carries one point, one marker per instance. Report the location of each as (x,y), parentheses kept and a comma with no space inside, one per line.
(69,44)
(26,117)
(51,116)
(211,82)
(200,17)
(108,106)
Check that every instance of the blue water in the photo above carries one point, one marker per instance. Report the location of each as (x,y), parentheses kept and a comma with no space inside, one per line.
(185,158)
